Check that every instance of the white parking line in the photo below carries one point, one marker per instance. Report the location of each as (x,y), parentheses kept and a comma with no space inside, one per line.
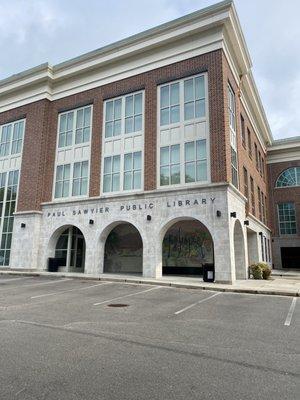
(198,302)
(291,312)
(36,284)
(127,295)
(13,279)
(69,290)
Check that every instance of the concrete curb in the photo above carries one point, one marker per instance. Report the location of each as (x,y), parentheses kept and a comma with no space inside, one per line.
(137,281)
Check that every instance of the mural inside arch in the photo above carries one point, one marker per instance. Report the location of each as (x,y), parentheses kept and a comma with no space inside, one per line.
(124,250)
(187,245)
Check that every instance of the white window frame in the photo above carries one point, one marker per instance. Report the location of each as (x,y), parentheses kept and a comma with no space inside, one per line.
(279,221)
(122,151)
(13,123)
(181,124)
(233,134)
(72,147)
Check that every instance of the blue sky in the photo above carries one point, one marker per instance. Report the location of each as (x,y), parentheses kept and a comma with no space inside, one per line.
(36,31)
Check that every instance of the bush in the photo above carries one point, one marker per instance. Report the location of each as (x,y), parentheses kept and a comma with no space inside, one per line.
(260,271)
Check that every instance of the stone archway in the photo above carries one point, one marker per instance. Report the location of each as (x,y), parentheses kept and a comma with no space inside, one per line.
(123,251)
(239,251)
(186,246)
(68,245)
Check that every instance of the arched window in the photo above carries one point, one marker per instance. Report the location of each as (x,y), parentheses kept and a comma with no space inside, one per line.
(289,177)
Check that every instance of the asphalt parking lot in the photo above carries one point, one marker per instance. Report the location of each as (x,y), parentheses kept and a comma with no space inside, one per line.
(75,339)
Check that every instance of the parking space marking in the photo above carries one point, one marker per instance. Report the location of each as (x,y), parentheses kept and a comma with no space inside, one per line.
(36,284)
(291,312)
(198,302)
(14,279)
(69,290)
(127,295)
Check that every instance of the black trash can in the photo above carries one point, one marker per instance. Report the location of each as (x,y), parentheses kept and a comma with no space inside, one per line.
(208,272)
(55,263)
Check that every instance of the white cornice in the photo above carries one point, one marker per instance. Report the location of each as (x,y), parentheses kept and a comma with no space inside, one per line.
(284,150)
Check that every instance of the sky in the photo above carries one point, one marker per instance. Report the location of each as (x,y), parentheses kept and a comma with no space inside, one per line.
(36,31)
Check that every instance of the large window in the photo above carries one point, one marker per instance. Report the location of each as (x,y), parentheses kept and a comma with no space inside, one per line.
(11,138)
(73,153)
(123,144)
(8,196)
(287,219)
(289,177)
(183,132)
(233,140)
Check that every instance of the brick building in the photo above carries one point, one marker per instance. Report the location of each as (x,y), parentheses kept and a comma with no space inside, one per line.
(145,156)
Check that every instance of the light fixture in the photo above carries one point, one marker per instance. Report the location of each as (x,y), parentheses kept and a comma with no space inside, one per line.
(23,225)
(149,217)
(219,213)
(246,222)
(233,214)
(91,222)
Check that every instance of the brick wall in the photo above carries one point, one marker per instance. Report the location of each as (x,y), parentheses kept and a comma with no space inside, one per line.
(244,159)
(282,195)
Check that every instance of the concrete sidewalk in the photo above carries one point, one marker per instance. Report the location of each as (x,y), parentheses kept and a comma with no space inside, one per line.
(277,285)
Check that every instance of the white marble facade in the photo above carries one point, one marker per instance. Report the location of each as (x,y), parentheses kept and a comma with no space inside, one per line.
(33,244)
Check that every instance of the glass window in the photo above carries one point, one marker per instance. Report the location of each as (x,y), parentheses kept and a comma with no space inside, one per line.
(249,143)
(170,165)
(11,138)
(243,133)
(111,175)
(195,161)
(169,104)
(113,116)
(133,113)
(75,126)
(132,171)
(62,184)
(8,195)
(194,98)
(246,189)
(80,178)
(252,195)
(234,168)
(232,125)
(289,177)
(287,219)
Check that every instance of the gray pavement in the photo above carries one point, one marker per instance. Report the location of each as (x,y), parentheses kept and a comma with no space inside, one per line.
(61,339)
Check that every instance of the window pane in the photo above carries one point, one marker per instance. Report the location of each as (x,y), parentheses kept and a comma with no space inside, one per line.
(66,186)
(109,111)
(129,106)
(175,154)
(118,108)
(200,108)
(77,170)
(201,149)
(164,96)
(70,121)
(127,180)
(200,88)
(67,171)
(61,142)
(137,160)
(129,125)
(59,173)
(175,174)
(86,134)
(128,162)
(164,116)
(76,188)
(189,90)
(201,171)
(175,114)
(79,122)
(189,111)
(137,180)
(138,123)
(175,93)
(84,183)
(78,136)
(190,151)
(138,103)
(85,167)
(69,139)
(116,182)
(58,189)
(164,156)
(117,127)
(107,165)
(87,116)
(116,164)
(107,183)
(164,176)
(63,123)
(190,172)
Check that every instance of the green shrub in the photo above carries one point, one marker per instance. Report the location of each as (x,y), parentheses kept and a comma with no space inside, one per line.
(260,271)
(256,271)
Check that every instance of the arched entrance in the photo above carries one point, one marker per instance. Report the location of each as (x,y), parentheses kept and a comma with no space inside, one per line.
(70,249)
(123,251)
(239,251)
(187,246)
